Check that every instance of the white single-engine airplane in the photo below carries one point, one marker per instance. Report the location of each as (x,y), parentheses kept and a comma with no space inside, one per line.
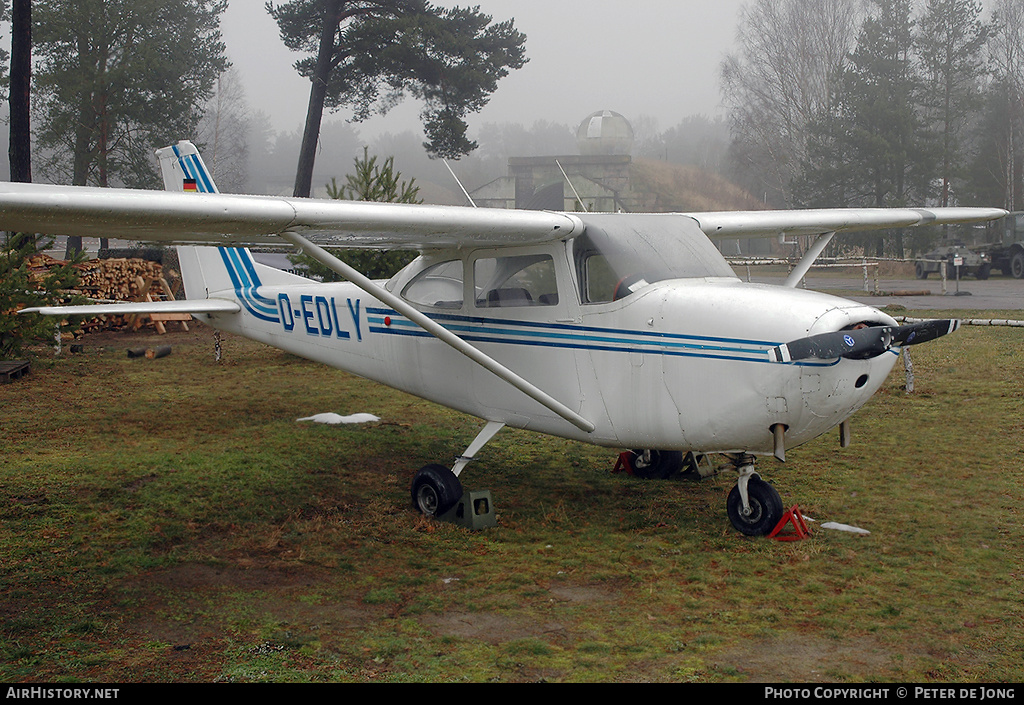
(621,330)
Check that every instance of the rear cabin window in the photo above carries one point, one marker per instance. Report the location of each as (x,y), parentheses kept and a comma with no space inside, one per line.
(439,286)
(523,280)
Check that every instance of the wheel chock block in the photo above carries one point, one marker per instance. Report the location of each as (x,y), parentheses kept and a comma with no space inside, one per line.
(799,526)
(474,511)
(624,463)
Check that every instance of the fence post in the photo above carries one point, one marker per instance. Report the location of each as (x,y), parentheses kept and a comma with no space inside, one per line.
(908,365)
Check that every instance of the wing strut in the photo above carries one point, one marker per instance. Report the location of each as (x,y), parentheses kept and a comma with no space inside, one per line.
(436,330)
(804,266)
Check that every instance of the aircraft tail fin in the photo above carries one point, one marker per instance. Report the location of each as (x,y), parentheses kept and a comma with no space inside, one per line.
(231,272)
(206,270)
(183,169)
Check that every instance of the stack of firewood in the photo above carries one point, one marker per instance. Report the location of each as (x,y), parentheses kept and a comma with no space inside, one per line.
(118,279)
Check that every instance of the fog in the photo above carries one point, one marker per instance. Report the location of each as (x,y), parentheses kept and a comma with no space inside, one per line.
(657,58)
(653,61)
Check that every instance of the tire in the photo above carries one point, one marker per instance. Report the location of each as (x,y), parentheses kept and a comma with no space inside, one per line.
(435,490)
(1017,265)
(662,464)
(920,272)
(765,508)
(983,271)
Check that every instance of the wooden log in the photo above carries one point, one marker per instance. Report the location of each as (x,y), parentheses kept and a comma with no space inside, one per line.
(162,351)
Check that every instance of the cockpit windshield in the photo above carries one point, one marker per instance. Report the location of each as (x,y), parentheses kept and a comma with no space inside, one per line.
(619,254)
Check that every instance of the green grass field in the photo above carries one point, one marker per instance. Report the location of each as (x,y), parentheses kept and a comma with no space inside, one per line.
(169,520)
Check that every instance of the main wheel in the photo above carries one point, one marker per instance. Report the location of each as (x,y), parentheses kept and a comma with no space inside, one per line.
(765,508)
(920,271)
(435,490)
(656,464)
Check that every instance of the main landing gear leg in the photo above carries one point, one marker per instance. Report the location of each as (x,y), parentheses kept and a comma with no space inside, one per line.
(754,506)
(435,488)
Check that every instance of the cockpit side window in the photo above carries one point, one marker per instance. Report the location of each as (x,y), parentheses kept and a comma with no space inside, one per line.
(607,275)
(598,278)
(522,280)
(439,286)
(620,254)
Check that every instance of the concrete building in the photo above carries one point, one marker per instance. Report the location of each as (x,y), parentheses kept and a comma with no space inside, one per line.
(603,178)
(597,179)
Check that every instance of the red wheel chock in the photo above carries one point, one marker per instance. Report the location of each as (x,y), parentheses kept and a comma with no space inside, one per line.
(624,463)
(799,530)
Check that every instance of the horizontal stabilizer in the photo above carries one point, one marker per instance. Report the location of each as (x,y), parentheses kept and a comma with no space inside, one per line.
(140,307)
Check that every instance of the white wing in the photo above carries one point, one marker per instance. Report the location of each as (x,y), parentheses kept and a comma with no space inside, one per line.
(223,219)
(730,224)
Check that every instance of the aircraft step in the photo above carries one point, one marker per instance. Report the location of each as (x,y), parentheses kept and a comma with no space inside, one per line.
(11,370)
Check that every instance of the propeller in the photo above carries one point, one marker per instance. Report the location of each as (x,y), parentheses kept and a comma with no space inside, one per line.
(861,343)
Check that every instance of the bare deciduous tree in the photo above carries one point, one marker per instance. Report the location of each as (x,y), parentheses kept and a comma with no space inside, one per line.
(781,78)
(1007,56)
(224,131)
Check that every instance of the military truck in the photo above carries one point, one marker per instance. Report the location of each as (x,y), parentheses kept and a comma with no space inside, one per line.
(1006,250)
(960,261)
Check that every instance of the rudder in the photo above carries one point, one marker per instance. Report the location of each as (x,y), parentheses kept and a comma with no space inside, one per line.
(183,169)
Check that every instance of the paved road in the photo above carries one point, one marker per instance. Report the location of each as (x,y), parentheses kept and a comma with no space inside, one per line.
(997,293)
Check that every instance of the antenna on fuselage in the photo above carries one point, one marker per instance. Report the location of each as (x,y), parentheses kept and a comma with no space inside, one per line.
(575,193)
(464,191)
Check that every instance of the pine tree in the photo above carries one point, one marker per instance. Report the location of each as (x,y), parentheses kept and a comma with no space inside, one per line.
(20,287)
(874,149)
(369,181)
(115,78)
(367,55)
(20,150)
(951,45)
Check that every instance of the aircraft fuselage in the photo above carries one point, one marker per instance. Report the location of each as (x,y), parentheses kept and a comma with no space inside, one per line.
(679,364)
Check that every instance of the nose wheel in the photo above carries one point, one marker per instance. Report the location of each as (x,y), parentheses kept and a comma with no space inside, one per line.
(754,506)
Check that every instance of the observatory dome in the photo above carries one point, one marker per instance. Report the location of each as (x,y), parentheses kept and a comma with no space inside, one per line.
(604,133)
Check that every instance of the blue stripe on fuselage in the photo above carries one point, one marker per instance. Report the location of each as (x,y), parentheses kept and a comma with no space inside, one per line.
(559,335)
(246,282)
